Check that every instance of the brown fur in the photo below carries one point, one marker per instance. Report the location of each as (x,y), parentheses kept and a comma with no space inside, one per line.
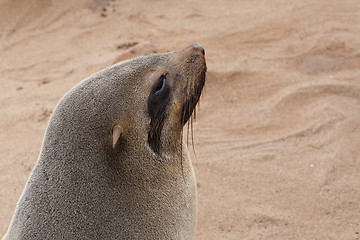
(83,187)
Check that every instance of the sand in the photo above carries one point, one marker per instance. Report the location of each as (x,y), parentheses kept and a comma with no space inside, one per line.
(277,137)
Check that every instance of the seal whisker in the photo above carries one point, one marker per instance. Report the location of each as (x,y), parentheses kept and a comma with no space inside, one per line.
(193,115)
(184,102)
(189,109)
(192,134)
(195,94)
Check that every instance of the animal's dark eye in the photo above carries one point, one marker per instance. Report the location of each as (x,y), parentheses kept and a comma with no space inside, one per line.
(160,86)
(158,100)
(159,96)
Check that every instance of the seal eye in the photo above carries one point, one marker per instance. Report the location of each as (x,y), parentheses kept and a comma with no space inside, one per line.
(161,85)
(157,102)
(159,97)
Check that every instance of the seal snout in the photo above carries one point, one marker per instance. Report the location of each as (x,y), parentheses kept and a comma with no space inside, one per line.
(195,80)
(198,47)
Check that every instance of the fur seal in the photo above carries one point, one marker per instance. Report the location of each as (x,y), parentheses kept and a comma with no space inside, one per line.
(113,163)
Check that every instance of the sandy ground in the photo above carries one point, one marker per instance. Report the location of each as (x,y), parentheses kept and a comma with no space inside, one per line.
(277,139)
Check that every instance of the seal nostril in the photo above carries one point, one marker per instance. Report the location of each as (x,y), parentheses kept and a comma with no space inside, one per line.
(199,47)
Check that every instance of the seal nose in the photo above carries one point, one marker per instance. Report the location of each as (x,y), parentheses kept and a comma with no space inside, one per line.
(199,48)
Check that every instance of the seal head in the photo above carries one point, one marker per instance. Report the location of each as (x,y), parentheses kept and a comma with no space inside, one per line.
(113,164)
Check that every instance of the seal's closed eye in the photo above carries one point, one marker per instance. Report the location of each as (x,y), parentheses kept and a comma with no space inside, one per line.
(157,102)
(159,97)
(161,85)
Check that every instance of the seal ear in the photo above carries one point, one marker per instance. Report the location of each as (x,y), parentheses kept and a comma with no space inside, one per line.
(117,131)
